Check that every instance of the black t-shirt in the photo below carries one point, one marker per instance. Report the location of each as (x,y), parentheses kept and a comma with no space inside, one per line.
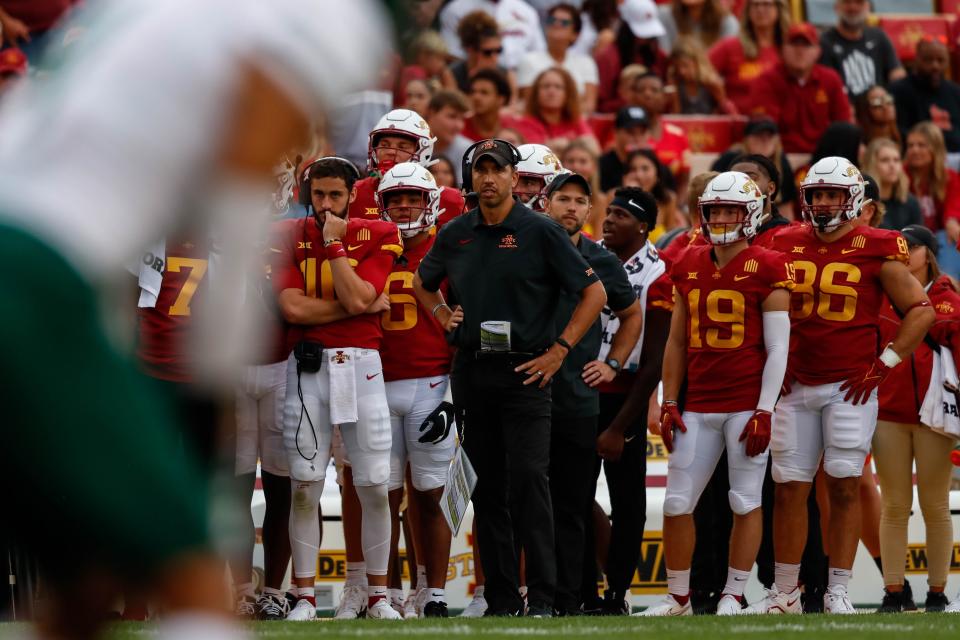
(900,214)
(917,101)
(514,271)
(571,395)
(612,171)
(861,63)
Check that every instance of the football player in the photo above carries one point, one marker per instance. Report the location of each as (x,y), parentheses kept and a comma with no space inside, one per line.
(416,367)
(729,338)
(829,406)
(328,273)
(400,136)
(538,165)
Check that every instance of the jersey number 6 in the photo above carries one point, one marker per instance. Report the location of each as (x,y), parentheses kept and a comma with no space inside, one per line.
(828,290)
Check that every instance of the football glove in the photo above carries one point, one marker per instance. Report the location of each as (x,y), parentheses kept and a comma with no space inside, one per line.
(757,433)
(670,419)
(437,424)
(860,385)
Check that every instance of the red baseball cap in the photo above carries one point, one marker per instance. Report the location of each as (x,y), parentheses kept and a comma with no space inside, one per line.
(13,60)
(803,31)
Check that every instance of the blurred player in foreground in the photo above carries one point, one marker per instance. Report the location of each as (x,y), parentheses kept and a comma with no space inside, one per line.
(117,148)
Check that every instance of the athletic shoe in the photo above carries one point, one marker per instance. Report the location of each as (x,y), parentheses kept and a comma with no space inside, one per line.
(836,600)
(381,610)
(272,607)
(304,610)
(761,606)
(538,611)
(668,607)
(936,602)
(729,605)
(420,600)
(246,608)
(777,602)
(410,605)
(477,607)
(353,603)
(908,603)
(435,609)
(892,602)
(954,606)
(397,603)
(614,604)
(812,599)
(704,602)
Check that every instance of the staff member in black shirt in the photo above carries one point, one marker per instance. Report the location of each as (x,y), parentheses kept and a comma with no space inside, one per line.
(576,400)
(507,267)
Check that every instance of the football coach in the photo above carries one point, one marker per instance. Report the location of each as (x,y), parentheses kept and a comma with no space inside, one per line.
(507,267)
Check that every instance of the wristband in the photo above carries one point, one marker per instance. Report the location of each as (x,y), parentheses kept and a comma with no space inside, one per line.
(922,303)
(666,402)
(889,357)
(335,250)
(437,308)
(563,343)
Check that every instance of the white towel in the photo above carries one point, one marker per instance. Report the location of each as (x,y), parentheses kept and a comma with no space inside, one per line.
(341,368)
(149,274)
(939,410)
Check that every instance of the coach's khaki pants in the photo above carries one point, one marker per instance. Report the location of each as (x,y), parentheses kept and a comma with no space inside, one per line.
(895,447)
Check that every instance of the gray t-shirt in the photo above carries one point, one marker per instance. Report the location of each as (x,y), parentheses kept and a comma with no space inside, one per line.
(861,63)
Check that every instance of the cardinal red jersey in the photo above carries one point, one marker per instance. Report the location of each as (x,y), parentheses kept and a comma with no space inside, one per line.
(164,329)
(671,253)
(372,246)
(725,349)
(365,206)
(414,343)
(835,306)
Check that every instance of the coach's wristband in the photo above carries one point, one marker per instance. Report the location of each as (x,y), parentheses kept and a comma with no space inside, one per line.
(437,307)
(335,250)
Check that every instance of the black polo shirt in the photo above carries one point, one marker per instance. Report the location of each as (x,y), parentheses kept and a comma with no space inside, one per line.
(514,271)
(572,398)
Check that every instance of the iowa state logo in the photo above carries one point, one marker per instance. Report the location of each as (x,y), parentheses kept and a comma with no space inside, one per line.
(508,242)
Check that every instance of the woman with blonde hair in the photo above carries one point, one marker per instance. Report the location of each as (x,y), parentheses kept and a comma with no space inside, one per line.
(693,86)
(581,157)
(741,58)
(936,186)
(882,161)
(901,442)
(553,111)
(706,21)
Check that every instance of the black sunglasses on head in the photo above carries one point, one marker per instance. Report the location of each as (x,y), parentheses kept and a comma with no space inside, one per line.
(492,52)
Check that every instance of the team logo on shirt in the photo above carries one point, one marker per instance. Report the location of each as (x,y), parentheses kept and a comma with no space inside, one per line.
(798,250)
(751,266)
(944,307)
(508,242)
(305,245)
(340,357)
(821,97)
(363,234)
(691,275)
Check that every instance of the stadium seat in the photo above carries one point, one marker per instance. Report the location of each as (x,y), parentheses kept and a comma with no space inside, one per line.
(906,31)
(709,134)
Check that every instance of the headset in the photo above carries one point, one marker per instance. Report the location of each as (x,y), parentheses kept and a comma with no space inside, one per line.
(303,197)
(467,163)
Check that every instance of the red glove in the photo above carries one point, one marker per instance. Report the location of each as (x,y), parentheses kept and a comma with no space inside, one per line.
(757,432)
(861,385)
(670,419)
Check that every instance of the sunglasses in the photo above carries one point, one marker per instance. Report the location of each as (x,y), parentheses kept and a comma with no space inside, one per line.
(885,101)
(563,22)
(492,52)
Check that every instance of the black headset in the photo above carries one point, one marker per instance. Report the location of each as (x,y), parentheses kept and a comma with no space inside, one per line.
(467,163)
(303,197)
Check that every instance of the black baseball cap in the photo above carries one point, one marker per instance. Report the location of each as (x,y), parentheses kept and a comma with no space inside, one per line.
(568,177)
(760,125)
(916,235)
(870,189)
(500,151)
(628,117)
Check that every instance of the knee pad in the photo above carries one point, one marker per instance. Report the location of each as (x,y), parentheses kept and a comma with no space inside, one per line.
(742,504)
(373,473)
(305,498)
(844,465)
(676,504)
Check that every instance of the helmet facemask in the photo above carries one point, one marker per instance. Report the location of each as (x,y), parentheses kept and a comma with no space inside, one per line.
(531,198)
(826,218)
(419,217)
(723,233)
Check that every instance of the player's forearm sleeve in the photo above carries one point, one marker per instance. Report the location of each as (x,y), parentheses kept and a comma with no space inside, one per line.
(776,338)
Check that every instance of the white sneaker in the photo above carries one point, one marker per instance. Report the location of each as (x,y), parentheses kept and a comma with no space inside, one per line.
(477,606)
(777,602)
(410,605)
(381,610)
(729,605)
(353,603)
(668,607)
(420,600)
(761,606)
(954,606)
(304,610)
(836,600)
(396,601)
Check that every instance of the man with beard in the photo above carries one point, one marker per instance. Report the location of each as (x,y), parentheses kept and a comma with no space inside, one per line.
(926,94)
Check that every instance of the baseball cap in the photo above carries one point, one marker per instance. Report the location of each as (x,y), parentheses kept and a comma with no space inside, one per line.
(567,177)
(917,235)
(803,31)
(641,16)
(500,151)
(759,125)
(13,60)
(870,189)
(628,117)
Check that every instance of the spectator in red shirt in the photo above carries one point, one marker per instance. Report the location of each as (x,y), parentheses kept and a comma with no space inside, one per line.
(553,112)
(803,97)
(936,186)
(636,43)
(742,58)
(667,140)
(489,94)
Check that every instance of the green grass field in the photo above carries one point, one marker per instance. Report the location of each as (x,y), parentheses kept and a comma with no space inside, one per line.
(925,626)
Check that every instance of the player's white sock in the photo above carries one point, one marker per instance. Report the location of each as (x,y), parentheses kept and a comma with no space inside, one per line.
(736,581)
(246,590)
(374,593)
(421,576)
(786,576)
(375,530)
(306,592)
(356,574)
(678,583)
(305,526)
(435,594)
(837,577)
(396,595)
(478,591)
